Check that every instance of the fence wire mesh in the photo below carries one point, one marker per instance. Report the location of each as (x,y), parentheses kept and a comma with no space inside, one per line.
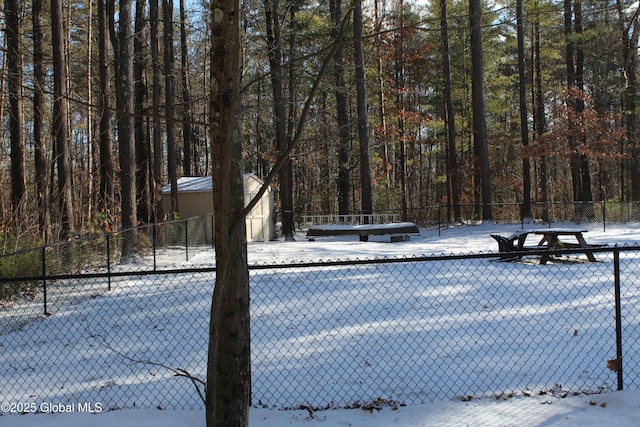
(326,335)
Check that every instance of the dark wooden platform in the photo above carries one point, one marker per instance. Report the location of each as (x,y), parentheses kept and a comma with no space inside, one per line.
(403,229)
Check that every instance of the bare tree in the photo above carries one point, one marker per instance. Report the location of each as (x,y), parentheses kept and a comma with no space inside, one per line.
(169,83)
(452,160)
(344,185)
(583,160)
(479,116)
(155,122)
(60,129)
(143,154)
(574,164)
(229,368)
(630,33)
(105,197)
(186,93)
(40,157)
(524,119)
(12,12)
(89,119)
(285,177)
(540,122)
(363,128)
(125,112)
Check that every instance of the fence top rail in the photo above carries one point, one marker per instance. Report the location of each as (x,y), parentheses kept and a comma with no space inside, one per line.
(316,264)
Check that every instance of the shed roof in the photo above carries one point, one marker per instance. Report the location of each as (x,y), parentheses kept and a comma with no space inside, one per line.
(197,184)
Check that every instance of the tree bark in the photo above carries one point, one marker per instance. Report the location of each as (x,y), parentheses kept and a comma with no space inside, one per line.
(344,186)
(105,198)
(363,128)
(155,122)
(40,157)
(401,170)
(574,158)
(169,82)
(452,162)
(186,94)
(524,117)
(229,369)
(586,194)
(12,11)
(540,121)
(285,177)
(89,119)
(140,122)
(479,115)
(125,113)
(60,129)
(382,116)
(630,61)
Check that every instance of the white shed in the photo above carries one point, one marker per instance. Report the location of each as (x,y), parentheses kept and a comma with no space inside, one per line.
(195,198)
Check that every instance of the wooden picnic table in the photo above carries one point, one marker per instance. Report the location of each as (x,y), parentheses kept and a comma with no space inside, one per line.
(551,240)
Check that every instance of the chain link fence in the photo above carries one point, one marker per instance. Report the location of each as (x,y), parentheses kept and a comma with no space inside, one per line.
(334,334)
(512,213)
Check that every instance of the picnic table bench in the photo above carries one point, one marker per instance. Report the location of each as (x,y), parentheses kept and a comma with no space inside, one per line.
(398,231)
(550,240)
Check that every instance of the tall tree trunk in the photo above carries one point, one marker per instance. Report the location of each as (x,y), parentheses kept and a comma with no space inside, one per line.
(291,120)
(452,161)
(401,170)
(40,156)
(12,11)
(228,368)
(125,112)
(540,121)
(140,121)
(386,164)
(90,141)
(60,130)
(186,94)
(169,82)
(274,40)
(574,158)
(344,186)
(583,161)
(479,116)
(524,117)
(363,128)
(105,197)
(630,35)
(156,125)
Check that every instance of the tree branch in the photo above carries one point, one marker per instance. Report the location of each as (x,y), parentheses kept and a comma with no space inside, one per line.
(284,157)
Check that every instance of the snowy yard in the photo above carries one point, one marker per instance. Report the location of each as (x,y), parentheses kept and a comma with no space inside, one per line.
(401,332)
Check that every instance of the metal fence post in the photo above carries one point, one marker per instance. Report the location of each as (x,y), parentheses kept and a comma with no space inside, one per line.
(108,263)
(616,272)
(186,238)
(154,236)
(44,278)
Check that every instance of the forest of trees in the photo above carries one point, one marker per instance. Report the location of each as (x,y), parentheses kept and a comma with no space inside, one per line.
(386,105)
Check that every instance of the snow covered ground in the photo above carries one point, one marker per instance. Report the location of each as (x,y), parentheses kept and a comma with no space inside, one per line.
(619,409)
(550,409)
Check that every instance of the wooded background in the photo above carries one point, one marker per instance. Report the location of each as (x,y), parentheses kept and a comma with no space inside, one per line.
(384,105)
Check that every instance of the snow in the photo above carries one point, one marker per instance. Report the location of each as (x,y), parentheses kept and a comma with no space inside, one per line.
(553,408)
(616,409)
(198,184)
